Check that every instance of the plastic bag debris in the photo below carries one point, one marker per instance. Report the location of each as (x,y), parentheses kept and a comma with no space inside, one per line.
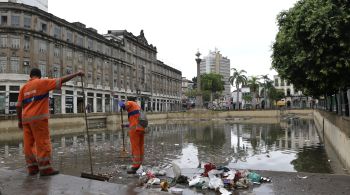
(242,183)
(199,182)
(176,170)
(302,177)
(254,177)
(195,181)
(176,190)
(208,167)
(154,181)
(224,191)
(215,183)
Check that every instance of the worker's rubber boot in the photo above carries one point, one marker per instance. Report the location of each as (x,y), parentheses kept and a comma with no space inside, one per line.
(33,170)
(132,170)
(48,172)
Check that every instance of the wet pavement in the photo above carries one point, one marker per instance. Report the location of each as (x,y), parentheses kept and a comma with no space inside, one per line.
(292,145)
(16,182)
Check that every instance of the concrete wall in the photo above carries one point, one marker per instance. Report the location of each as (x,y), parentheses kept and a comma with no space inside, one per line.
(334,130)
(75,123)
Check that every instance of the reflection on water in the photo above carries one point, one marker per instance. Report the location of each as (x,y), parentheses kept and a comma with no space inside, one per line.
(291,145)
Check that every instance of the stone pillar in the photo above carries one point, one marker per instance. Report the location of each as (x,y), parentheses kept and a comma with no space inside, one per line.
(63,101)
(156,105)
(199,101)
(7,99)
(103,103)
(95,103)
(75,101)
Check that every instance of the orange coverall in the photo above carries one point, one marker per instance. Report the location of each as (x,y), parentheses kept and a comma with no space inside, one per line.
(136,133)
(33,98)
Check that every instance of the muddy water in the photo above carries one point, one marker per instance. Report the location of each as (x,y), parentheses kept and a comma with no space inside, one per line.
(292,145)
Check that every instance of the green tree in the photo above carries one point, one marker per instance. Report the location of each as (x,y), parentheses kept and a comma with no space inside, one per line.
(213,83)
(312,47)
(275,94)
(194,80)
(247,97)
(253,83)
(238,79)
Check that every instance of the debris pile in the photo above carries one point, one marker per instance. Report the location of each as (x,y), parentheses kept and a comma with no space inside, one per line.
(221,179)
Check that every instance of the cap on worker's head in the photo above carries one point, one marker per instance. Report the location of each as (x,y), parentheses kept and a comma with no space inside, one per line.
(122,104)
(35,72)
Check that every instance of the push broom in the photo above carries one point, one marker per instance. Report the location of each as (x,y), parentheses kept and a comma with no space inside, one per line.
(91,174)
(123,153)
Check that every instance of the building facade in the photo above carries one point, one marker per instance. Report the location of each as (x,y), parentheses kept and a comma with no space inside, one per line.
(117,65)
(186,86)
(293,98)
(214,62)
(41,4)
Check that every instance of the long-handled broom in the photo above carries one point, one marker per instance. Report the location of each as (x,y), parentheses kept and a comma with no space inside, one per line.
(89,175)
(123,152)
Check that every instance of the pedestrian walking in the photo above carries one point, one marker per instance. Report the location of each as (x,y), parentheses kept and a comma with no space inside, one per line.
(33,114)
(136,134)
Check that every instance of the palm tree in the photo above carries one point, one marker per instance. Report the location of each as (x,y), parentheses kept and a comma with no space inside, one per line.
(238,78)
(268,84)
(254,84)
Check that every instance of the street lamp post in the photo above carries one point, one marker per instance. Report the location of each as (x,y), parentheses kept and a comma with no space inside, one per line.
(199,101)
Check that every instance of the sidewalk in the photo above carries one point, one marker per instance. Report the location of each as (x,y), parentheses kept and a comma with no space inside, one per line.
(17,182)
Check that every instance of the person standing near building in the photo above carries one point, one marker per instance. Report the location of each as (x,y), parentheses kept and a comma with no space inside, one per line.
(136,134)
(33,113)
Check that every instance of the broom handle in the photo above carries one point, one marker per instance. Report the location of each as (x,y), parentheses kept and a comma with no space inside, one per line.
(123,134)
(86,124)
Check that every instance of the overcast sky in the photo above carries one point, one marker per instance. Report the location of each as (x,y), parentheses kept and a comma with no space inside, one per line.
(243,30)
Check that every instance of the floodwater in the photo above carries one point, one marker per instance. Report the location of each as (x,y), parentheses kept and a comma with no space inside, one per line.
(292,145)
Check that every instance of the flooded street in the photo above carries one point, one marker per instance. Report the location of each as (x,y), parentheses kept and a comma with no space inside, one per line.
(292,145)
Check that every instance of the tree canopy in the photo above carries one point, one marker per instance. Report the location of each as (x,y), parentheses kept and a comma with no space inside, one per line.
(312,47)
(212,82)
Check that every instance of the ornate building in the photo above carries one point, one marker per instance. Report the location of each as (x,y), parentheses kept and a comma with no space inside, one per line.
(117,65)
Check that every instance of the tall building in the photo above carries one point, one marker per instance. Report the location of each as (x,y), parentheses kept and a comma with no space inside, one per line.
(214,62)
(41,4)
(117,65)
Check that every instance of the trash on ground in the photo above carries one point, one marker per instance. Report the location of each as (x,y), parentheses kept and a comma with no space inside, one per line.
(164,185)
(176,190)
(302,177)
(218,178)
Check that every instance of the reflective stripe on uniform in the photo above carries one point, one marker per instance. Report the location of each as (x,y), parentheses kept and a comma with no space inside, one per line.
(35,98)
(44,159)
(42,116)
(134,112)
(32,164)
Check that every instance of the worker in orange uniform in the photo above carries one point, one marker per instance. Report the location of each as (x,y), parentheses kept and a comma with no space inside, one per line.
(33,114)
(136,134)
